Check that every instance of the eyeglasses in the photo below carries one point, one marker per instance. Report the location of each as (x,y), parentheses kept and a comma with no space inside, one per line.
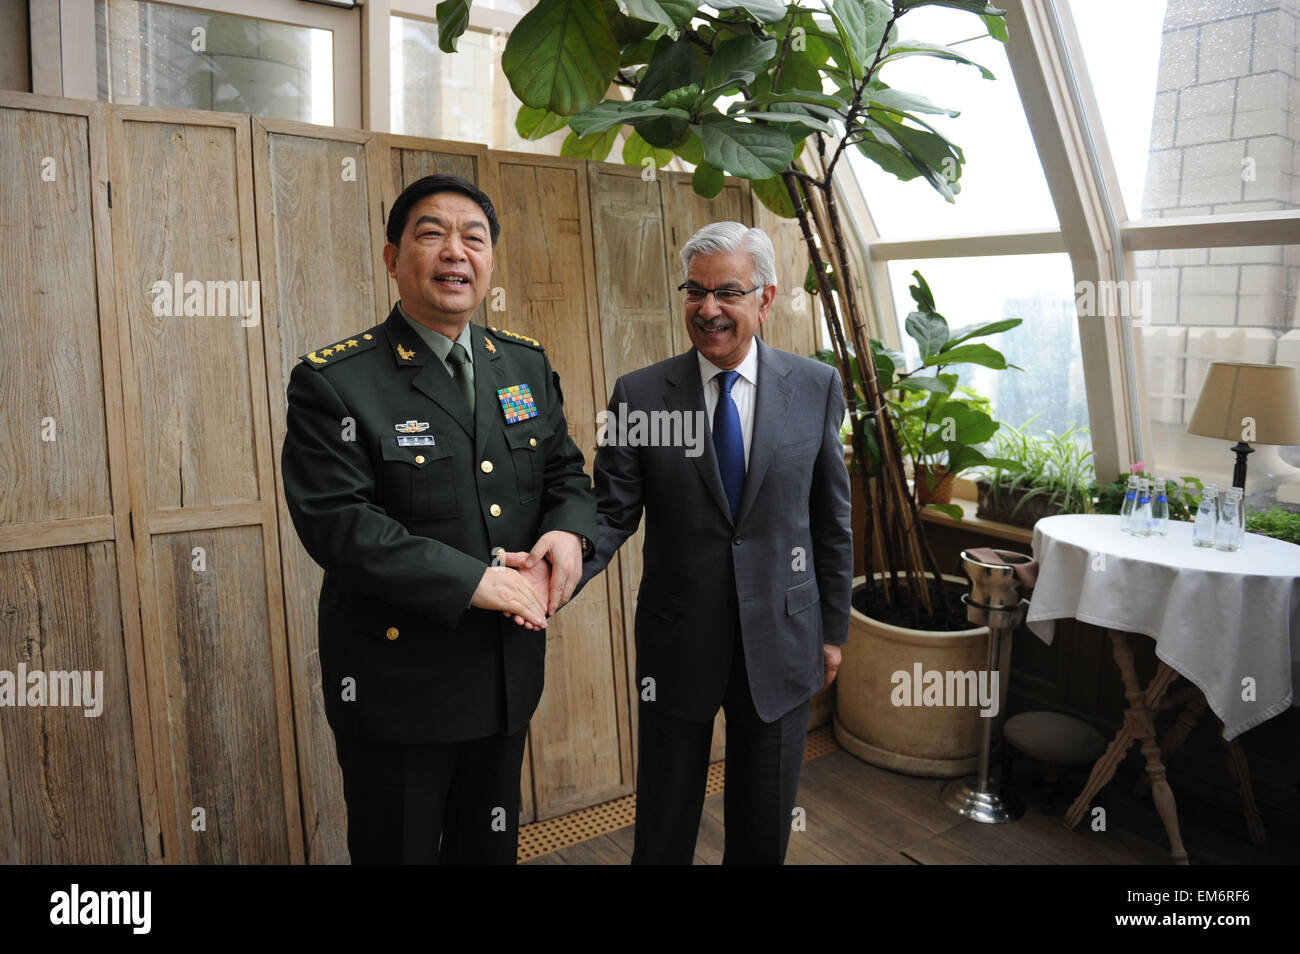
(723,296)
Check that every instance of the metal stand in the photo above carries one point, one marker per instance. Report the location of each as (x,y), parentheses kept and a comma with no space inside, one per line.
(994,601)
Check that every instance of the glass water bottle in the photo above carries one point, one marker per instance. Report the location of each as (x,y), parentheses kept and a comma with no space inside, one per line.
(1207,517)
(1141,520)
(1129,505)
(1159,509)
(1231,527)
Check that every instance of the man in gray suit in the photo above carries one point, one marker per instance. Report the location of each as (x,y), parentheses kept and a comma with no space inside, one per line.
(733,452)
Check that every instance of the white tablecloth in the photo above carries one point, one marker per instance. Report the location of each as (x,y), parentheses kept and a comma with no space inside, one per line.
(1217,618)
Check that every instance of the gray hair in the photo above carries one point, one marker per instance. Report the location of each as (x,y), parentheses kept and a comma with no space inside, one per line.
(733,237)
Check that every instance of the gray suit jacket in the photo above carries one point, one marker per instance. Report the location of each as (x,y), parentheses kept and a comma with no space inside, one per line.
(784,568)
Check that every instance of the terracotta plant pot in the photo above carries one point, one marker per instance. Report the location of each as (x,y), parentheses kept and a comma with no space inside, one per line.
(934,741)
(941,493)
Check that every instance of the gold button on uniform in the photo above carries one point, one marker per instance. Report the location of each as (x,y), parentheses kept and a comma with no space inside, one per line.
(392,632)
(486,466)
(419,458)
(495,510)
(532,442)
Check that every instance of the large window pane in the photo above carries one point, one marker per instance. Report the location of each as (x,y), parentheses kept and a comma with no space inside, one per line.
(152,54)
(1218,304)
(462,96)
(1036,288)
(1002,184)
(1198,99)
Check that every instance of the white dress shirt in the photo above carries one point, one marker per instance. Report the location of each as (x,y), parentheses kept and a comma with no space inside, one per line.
(744,392)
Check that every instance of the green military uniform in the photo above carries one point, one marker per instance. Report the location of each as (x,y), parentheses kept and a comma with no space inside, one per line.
(403,495)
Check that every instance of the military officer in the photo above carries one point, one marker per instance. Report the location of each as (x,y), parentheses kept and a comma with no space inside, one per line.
(428,468)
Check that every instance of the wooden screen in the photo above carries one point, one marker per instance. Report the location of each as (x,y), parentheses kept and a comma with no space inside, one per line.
(202,485)
(73,788)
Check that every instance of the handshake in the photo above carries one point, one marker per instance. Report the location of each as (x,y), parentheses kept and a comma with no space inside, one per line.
(532,586)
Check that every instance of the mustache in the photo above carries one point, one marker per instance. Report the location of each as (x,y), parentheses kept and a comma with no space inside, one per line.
(712,324)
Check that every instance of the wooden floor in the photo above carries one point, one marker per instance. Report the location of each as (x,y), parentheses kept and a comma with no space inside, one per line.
(858,814)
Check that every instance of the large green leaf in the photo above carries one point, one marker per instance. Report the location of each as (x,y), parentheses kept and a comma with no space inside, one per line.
(957,424)
(801,96)
(595,147)
(979,331)
(533,124)
(889,158)
(747,150)
(673,14)
(861,24)
(928,330)
(707,180)
(691,150)
(613,113)
(906,102)
(676,64)
(799,124)
(636,151)
(971,6)
(453,18)
(561,56)
(798,71)
(949,509)
(918,48)
(767,11)
(970,354)
(933,384)
(739,54)
(997,26)
(773,194)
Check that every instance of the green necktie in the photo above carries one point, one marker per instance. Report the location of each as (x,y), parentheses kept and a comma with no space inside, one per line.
(459,360)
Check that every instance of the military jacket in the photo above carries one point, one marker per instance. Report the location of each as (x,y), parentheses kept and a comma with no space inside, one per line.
(402,498)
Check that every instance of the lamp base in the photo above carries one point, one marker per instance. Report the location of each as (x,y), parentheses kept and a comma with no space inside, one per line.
(1241,449)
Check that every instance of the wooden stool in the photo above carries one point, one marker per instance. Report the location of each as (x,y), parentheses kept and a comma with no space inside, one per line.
(1055,740)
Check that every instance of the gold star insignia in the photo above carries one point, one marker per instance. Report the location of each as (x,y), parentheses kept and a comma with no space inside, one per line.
(327,352)
(404,354)
(352,342)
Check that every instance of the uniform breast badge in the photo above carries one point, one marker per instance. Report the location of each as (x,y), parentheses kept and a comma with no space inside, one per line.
(517,403)
(409,428)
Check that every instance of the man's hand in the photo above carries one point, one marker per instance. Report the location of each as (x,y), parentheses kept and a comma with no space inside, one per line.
(832,655)
(504,588)
(564,550)
(538,577)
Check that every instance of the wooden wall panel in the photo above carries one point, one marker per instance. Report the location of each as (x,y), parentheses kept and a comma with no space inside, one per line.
(200,437)
(318,252)
(792,324)
(225,737)
(578,737)
(47,319)
(69,793)
(72,789)
(410,158)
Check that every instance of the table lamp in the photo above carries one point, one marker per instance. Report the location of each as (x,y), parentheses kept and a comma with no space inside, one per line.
(1247,403)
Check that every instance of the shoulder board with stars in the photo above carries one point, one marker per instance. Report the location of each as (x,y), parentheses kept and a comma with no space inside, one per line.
(354,344)
(504,335)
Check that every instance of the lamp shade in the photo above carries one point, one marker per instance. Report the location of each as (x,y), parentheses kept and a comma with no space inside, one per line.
(1267,394)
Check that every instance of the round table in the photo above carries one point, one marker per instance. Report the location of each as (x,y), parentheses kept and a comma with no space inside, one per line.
(1227,622)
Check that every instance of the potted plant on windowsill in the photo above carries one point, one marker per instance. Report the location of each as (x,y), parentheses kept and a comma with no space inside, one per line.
(776,93)
(1053,475)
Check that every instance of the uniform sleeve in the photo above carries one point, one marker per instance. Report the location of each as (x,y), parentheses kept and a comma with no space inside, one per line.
(329,484)
(831,522)
(567,500)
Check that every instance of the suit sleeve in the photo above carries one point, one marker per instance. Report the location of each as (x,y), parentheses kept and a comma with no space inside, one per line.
(567,501)
(619,496)
(830,505)
(329,484)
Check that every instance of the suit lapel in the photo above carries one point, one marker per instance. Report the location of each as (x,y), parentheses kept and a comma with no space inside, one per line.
(431,377)
(489,375)
(772,407)
(684,392)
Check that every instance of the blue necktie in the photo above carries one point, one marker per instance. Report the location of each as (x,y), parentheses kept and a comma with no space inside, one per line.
(729,442)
